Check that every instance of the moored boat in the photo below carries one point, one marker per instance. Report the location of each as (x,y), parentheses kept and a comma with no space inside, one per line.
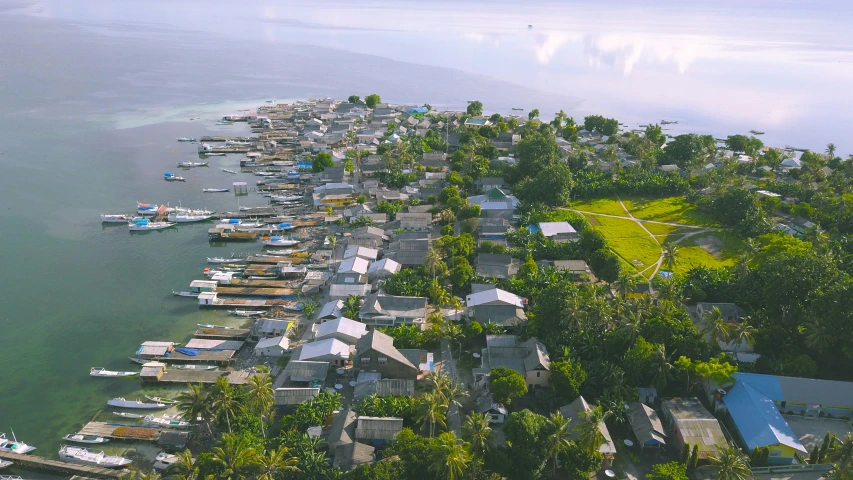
(169,177)
(196,367)
(223,260)
(285,198)
(229,171)
(187,217)
(276,241)
(207,325)
(192,164)
(186,139)
(103,372)
(14,446)
(128,415)
(79,438)
(165,460)
(184,293)
(120,402)
(246,313)
(144,225)
(117,218)
(140,361)
(4,464)
(161,400)
(146,208)
(83,456)
(215,190)
(171,421)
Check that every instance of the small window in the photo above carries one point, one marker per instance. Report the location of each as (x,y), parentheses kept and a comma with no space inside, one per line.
(365,360)
(538,374)
(775,453)
(383,360)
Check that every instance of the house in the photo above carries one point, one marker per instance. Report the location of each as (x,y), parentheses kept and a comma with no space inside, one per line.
(305,371)
(476,122)
(575,411)
(491,265)
(496,306)
(371,233)
(329,350)
(488,183)
(383,269)
(369,254)
(173,441)
(341,291)
(731,312)
(375,351)
(558,231)
(353,265)
(390,310)
(344,329)
(349,456)
(330,311)
(574,267)
(646,425)
(410,252)
(378,430)
(384,387)
(495,203)
(271,327)
(492,229)
(294,396)
(807,396)
(759,424)
(415,221)
(486,405)
(272,347)
(690,423)
(342,431)
(529,358)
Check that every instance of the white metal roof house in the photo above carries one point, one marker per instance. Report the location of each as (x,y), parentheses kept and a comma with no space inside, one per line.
(361,252)
(330,310)
(330,350)
(305,370)
(272,347)
(558,231)
(496,306)
(354,265)
(383,269)
(343,329)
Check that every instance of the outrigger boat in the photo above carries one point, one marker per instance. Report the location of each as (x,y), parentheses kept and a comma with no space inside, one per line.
(224,260)
(187,217)
(79,438)
(207,325)
(169,177)
(161,400)
(140,361)
(215,190)
(246,313)
(172,421)
(103,372)
(279,242)
(184,293)
(229,171)
(143,225)
(83,456)
(117,218)
(14,446)
(196,367)
(128,415)
(188,164)
(120,402)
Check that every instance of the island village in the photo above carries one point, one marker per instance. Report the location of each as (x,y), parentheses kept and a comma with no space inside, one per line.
(453,294)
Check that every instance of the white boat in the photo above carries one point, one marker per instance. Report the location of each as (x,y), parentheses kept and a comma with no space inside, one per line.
(229,171)
(224,260)
(249,225)
(171,421)
(187,217)
(196,367)
(140,361)
(146,208)
(214,154)
(143,225)
(207,325)
(165,460)
(235,142)
(215,190)
(184,293)
(246,313)
(4,464)
(186,139)
(222,122)
(103,372)
(286,252)
(117,218)
(128,415)
(14,446)
(279,242)
(285,198)
(190,211)
(83,456)
(192,164)
(120,402)
(173,178)
(161,400)
(79,438)
(260,173)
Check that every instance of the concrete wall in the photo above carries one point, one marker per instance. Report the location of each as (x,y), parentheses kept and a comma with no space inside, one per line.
(542,380)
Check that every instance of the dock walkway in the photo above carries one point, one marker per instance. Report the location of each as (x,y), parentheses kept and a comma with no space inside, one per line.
(239,377)
(117,431)
(222,333)
(56,466)
(204,356)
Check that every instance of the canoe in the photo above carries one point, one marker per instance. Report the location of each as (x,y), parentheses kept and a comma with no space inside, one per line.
(196,367)
(161,400)
(172,421)
(4,464)
(79,438)
(184,293)
(246,313)
(128,415)
(138,360)
(103,372)
(207,325)
(122,403)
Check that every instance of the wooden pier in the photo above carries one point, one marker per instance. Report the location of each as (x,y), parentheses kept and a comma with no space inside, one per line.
(222,333)
(117,431)
(258,292)
(275,260)
(33,462)
(238,377)
(247,282)
(204,356)
(248,303)
(217,138)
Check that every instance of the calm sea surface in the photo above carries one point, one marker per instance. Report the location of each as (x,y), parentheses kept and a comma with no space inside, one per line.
(94,93)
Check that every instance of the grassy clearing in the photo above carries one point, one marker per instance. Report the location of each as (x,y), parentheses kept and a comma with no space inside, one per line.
(639,252)
(618,228)
(669,209)
(658,229)
(713,249)
(607,206)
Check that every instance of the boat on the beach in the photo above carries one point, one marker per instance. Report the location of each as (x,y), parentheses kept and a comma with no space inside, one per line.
(14,446)
(83,456)
(4,464)
(188,217)
(103,372)
(170,177)
(165,460)
(223,260)
(120,402)
(117,218)
(196,367)
(246,313)
(144,225)
(261,173)
(249,225)
(161,400)
(276,241)
(207,325)
(184,293)
(215,190)
(128,415)
(186,139)
(79,438)
(187,164)
(171,421)
(229,171)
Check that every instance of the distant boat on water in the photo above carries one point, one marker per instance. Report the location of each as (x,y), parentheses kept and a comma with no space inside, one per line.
(215,190)
(117,218)
(128,415)
(143,225)
(192,164)
(246,313)
(186,139)
(229,171)
(188,218)
(196,367)
(120,402)
(103,372)
(169,177)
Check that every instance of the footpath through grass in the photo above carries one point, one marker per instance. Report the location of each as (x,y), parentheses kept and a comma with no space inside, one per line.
(712,249)
(607,206)
(669,209)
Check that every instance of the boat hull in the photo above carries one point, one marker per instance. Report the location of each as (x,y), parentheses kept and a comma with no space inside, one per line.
(90,439)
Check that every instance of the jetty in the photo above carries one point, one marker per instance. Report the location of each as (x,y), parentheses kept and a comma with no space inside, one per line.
(203,356)
(258,292)
(118,431)
(32,462)
(275,260)
(236,377)
(247,282)
(222,333)
(210,299)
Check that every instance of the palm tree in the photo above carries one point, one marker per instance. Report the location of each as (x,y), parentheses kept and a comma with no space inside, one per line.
(274,460)
(451,457)
(841,456)
(432,410)
(223,400)
(261,397)
(588,427)
(743,333)
(818,336)
(559,437)
(184,467)
(352,305)
(661,368)
(624,284)
(670,252)
(477,431)
(194,405)
(729,463)
(333,243)
(453,332)
(830,151)
(233,455)
(630,326)
(715,326)
(433,262)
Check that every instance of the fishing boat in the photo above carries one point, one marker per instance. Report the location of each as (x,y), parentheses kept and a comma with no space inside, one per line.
(143,225)
(103,372)
(276,241)
(249,225)
(285,198)
(223,260)
(169,177)
(192,164)
(79,438)
(215,190)
(120,402)
(161,400)
(140,361)
(83,456)
(184,293)
(668,122)
(196,367)
(186,139)
(246,313)
(117,218)
(286,252)
(756,132)
(188,217)
(236,142)
(14,446)
(223,122)
(128,415)
(4,464)
(146,209)
(207,325)
(171,421)
(165,460)
(261,173)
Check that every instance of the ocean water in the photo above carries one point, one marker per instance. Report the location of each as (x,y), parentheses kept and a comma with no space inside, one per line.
(94,93)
